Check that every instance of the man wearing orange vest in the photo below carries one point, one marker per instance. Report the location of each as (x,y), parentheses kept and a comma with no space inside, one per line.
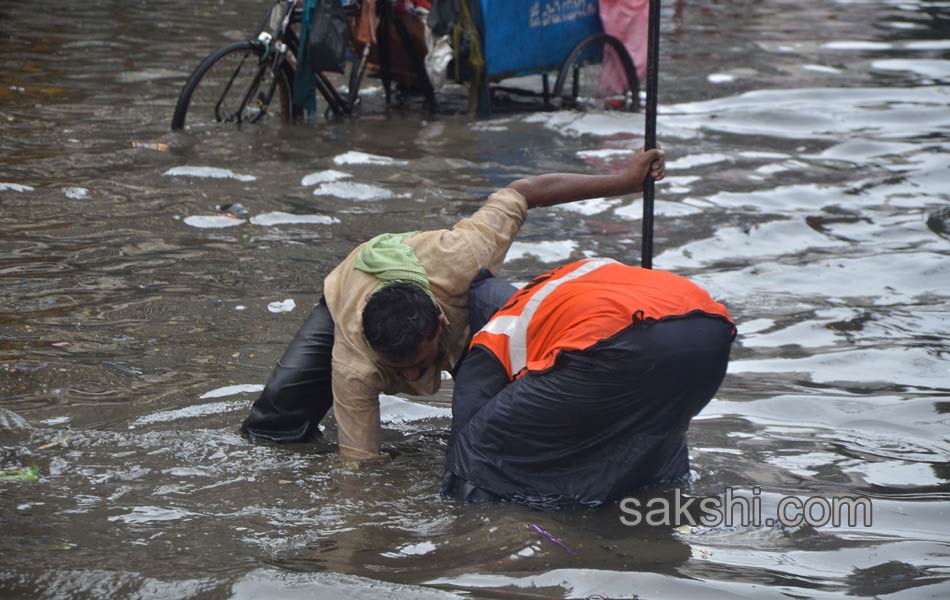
(581,388)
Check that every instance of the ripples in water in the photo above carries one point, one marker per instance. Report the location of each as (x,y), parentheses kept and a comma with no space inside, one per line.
(806,189)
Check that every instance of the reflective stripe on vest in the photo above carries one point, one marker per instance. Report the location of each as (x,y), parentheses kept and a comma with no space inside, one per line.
(515,327)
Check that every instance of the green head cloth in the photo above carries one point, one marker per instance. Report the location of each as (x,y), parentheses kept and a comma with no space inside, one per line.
(387,258)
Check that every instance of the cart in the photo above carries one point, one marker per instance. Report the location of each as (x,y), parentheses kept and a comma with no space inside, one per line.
(257,82)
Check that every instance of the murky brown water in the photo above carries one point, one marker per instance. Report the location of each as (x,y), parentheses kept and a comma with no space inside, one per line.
(808,184)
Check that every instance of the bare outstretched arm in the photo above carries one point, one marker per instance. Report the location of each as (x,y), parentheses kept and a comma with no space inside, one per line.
(558,188)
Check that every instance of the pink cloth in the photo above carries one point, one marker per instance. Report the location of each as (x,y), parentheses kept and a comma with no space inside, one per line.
(629,22)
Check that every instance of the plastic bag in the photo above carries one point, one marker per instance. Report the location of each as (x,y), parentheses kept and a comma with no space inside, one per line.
(328,37)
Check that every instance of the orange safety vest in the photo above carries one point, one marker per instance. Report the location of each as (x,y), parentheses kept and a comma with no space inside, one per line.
(575,306)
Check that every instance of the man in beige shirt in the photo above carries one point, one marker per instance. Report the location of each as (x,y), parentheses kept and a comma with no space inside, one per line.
(422,296)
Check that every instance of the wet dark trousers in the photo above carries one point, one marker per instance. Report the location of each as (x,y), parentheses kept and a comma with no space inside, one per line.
(602,422)
(299,394)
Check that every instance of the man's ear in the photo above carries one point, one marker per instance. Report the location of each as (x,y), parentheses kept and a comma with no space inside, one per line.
(441,325)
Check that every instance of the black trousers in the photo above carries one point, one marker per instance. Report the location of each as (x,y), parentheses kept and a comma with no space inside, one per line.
(601,422)
(299,394)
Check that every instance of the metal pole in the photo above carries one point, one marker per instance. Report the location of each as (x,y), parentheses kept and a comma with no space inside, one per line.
(649,137)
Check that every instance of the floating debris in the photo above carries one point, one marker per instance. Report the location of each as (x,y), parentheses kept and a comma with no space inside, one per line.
(282,218)
(207,173)
(282,306)
(15,187)
(353,191)
(553,539)
(548,252)
(234,209)
(396,410)
(22,475)
(323,177)
(213,221)
(362,158)
(150,146)
(76,193)
(230,390)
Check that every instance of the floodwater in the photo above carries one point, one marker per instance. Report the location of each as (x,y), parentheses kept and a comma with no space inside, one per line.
(808,150)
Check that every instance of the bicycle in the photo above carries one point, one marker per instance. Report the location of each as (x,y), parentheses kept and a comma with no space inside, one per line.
(252,82)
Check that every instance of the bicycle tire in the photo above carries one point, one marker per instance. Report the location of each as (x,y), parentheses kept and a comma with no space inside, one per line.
(215,92)
(581,71)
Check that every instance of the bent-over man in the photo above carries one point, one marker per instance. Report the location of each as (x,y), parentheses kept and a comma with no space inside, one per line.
(581,388)
(401,308)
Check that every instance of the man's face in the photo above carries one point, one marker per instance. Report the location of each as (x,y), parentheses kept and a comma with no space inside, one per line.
(412,368)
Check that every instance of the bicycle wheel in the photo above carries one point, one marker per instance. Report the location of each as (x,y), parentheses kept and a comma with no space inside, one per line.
(233,86)
(598,74)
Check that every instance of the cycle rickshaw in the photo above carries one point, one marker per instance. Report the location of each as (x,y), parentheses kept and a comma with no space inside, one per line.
(491,41)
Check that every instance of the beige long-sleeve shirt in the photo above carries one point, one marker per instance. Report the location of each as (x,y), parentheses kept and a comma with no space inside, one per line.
(451,258)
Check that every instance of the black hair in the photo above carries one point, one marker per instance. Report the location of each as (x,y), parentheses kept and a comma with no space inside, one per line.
(397,317)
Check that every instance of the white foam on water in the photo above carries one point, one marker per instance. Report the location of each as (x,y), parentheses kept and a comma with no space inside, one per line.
(141,515)
(207,173)
(190,412)
(553,251)
(697,160)
(857,45)
(212,221)
(902,25)
(76,193)
(396,410)
(765,155)
(822,69)
(720,78)
(15,187)
(353,191)
(417,549)
(525,552)
(282,218)
(282,306)
(230,390)
(56,421)
(679,180)
(754,326)
(935,69)
(594,206)
(606,152)
(362,158)
(323,177)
